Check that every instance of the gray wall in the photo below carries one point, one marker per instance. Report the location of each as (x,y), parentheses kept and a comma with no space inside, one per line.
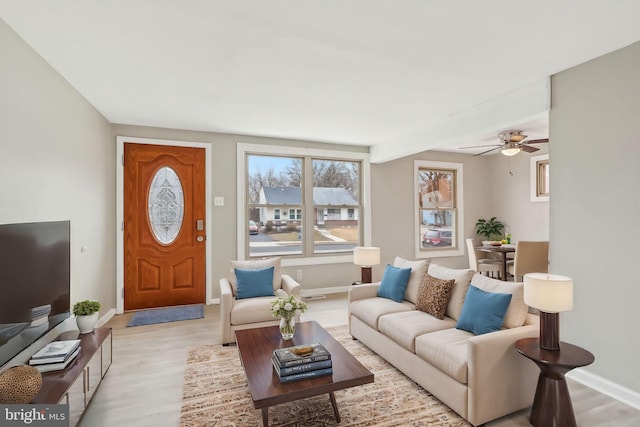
(56,164)
(511,199)
(224,175)
(595,207)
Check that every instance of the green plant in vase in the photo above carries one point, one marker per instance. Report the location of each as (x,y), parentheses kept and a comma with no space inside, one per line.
(491,229)
(86,313)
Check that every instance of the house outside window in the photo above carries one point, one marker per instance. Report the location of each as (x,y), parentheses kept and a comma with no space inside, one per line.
(439,217)
(325,191)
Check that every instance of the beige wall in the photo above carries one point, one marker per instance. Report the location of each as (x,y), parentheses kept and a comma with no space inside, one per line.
(595,208)
(56,164)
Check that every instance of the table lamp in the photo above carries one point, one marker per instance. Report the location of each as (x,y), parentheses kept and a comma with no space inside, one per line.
(551,294)
(366,256)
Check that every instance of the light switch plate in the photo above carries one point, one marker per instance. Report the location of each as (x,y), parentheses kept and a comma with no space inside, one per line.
(218,201)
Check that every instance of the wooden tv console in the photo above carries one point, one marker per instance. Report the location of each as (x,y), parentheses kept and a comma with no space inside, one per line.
(75,385)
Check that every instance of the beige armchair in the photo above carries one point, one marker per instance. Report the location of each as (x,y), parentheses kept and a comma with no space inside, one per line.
(254,312)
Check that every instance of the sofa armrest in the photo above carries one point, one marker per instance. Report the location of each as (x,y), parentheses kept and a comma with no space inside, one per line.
(367,290)
(226,304)
(500,380)
(290,286)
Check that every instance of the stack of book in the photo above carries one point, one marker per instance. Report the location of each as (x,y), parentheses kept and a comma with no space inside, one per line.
(56,355)
(301,362)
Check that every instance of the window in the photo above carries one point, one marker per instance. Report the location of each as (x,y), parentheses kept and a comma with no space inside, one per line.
(438,188)
(540,178)
(307,205)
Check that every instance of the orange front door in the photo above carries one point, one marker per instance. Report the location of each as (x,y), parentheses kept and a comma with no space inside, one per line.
(164,230)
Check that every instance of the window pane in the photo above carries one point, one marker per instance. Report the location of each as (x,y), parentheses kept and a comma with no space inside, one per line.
(277,238)
(274,185)
(336,198)
(166,205)
(436,228)
(436,188)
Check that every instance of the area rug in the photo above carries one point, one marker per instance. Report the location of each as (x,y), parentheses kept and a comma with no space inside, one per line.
(216,394)
(169,314)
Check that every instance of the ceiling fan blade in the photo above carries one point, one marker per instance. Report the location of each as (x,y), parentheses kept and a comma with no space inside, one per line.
(537,141)
(480,146)
(492,149)
(528,149)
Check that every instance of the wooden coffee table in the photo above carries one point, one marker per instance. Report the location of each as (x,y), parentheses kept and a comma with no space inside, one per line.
(256,348)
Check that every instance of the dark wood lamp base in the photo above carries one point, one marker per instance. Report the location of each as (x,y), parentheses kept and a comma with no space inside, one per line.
(366,275)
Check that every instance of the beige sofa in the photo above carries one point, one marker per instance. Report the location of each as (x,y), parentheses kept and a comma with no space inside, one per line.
(480,377)
(254,312)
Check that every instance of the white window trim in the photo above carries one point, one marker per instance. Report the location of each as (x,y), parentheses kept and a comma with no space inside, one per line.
(244,149)
(533,179)
(435,253)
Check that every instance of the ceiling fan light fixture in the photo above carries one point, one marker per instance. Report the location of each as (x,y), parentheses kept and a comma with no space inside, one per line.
(511,149)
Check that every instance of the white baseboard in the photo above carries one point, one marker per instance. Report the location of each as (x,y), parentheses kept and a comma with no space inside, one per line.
(614,390)
(106,317)
(322,291)
(307,292)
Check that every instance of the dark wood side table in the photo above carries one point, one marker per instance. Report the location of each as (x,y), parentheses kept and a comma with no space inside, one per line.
(552,403)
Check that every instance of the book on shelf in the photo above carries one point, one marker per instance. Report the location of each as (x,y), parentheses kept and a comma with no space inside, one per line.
(306,375)
(56,359)
(57,349)
(296,369)
(47,367)
(300,354)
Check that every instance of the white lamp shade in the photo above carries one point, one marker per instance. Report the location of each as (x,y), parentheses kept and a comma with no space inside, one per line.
(366,255)
(550,293)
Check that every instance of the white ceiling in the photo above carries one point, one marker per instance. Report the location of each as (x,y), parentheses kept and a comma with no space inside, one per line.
(400,76)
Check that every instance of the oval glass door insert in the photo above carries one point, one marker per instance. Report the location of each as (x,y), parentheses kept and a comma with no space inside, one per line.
(166,205)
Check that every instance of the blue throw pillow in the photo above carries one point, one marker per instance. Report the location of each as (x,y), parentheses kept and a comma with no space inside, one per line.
(254,283)
(483,312)
(394,282)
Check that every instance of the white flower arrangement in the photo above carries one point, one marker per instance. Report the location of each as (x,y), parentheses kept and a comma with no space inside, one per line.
(286,306)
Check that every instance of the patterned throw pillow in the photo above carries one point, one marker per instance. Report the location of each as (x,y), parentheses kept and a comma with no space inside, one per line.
(434,295)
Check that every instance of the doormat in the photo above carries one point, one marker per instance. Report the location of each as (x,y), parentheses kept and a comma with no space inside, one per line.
(169,314)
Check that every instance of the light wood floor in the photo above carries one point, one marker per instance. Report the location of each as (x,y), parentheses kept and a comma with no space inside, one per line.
(144,384)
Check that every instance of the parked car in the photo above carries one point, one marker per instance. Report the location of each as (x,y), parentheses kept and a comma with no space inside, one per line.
(436,237)
(253,227)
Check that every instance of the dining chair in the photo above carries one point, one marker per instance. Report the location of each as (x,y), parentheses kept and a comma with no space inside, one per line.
(481,262)
(530,257)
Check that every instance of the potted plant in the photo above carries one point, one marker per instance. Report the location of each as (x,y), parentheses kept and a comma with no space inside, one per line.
(86,313)
(491,229)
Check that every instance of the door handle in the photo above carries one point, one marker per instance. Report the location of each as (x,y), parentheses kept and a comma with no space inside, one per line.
(200,238)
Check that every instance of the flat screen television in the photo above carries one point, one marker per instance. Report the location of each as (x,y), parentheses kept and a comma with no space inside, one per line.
(34,283)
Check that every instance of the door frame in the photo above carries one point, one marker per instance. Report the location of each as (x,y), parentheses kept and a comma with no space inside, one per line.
(120,211)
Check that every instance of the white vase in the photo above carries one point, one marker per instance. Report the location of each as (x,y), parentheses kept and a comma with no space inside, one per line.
(287,327)
(86,323)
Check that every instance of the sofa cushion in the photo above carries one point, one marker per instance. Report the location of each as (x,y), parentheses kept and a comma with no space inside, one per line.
(254,283)
(418,271)
(251,310)
(434,295)
(394,283)
(517,311)
(446,350)
(483,312)
(459,291)
(369,310)
(404,327)
(254,264)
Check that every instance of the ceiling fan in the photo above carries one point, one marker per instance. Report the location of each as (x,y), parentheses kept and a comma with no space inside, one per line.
(512,142)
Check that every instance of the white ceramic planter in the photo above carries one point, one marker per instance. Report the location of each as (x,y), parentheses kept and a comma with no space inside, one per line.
(86,323)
